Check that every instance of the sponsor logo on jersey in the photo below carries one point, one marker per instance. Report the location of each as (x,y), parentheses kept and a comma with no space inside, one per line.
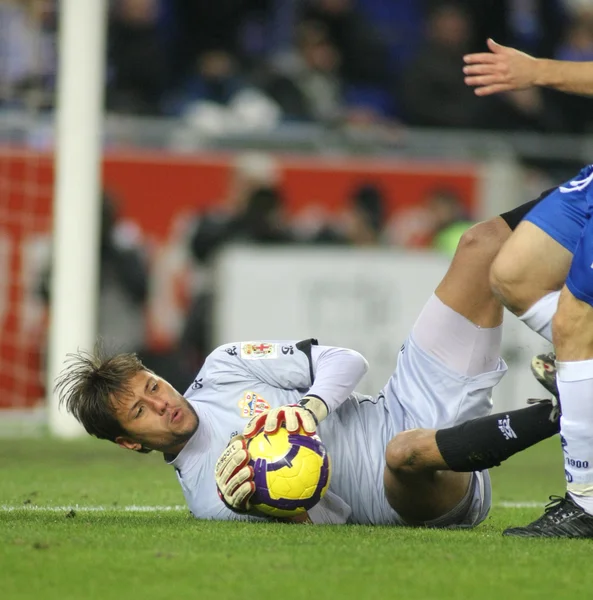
(258,350)
(251,404)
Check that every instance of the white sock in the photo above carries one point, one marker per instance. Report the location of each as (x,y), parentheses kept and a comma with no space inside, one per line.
(539,316)
(575,384)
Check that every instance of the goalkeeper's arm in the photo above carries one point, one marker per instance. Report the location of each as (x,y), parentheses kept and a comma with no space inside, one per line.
(335,374)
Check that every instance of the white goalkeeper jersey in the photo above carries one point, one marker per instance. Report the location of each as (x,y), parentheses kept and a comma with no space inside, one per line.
(241,380)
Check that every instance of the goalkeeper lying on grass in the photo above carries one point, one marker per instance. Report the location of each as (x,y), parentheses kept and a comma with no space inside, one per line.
(416,454)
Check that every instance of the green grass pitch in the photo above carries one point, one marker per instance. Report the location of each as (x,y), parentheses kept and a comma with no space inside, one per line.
(114,553)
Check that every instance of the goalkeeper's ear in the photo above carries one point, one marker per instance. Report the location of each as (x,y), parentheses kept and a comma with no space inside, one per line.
(128,444)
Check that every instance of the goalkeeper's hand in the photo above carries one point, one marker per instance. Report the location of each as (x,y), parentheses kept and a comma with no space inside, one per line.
(305,415)
(234,476)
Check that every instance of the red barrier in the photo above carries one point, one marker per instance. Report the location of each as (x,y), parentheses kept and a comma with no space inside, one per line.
(154,188)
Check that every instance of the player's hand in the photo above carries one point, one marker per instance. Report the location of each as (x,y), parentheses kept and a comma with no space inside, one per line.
(306,416)
(234,476)
(501,70)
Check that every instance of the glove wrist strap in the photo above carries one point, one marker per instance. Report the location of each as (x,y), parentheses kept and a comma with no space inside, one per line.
(316,406)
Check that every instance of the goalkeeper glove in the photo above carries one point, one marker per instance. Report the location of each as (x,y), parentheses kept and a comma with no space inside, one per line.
(306,415)
(234,477)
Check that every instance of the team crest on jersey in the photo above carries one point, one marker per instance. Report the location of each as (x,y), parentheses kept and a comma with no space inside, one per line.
(251,404)
(258,350)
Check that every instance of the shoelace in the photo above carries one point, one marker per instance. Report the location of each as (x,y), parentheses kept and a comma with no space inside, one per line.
(554,412)
(554,502)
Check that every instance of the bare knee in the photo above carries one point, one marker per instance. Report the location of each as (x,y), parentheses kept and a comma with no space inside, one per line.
(486,238)
(413,451)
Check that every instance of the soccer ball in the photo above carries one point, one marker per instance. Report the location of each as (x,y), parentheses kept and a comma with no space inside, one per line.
(291,472)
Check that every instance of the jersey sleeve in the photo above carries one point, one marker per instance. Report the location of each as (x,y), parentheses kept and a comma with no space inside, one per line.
(328,372)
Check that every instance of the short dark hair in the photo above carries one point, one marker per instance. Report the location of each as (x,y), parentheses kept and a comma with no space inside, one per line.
(91,382)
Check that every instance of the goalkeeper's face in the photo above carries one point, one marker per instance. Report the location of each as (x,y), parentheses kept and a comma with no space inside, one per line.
(154,415)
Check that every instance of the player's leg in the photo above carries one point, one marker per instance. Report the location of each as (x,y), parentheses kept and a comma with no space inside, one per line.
(573,339)
(425,455)
(446,371)
(445,374)
(532,266)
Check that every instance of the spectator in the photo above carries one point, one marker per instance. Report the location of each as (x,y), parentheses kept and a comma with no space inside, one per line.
(433,91)
(204,25)
(215,78)
(365,218)
(364,56)
(27,53)
(307,85)
(252,212)
(136,58)
(577,45)
(217,98)
(449,220)
(360,224)
(123,281)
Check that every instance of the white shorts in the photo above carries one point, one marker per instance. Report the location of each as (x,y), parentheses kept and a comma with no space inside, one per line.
(445,373)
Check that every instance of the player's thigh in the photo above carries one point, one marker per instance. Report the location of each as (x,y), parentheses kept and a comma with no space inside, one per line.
(465,288)
(529,265)
(535,259)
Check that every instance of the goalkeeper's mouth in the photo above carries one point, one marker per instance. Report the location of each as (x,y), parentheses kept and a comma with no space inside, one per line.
(176,416)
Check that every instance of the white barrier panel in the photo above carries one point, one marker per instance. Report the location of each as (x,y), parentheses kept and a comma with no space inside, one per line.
(361,299)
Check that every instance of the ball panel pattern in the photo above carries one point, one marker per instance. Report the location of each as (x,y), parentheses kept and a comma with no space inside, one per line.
(291,472)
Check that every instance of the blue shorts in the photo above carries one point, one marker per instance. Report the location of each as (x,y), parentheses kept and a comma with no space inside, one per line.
(564,213)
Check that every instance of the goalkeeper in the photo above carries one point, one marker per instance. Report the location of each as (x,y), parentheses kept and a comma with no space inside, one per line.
(416,454)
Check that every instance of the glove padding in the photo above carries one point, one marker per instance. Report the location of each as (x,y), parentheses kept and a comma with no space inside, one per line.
(234,477)
(305,415)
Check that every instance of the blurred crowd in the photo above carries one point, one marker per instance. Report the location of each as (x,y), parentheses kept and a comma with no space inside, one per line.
(243,65)
(235,66)
(135,275)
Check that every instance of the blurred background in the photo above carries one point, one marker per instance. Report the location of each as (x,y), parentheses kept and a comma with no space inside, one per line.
(276,169)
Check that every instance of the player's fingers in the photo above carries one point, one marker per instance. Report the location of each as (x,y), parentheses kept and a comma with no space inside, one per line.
(493,89)
(496,47)
(292,422)
(308,422)
(483,80)
(481,69)
(480,57)
(254,425)
(245,474)
(242,494)
(227,455)
(233,465)
(274,420)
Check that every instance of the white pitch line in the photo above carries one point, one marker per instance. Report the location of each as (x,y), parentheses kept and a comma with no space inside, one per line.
(175,508)
(519,504)
(76,507)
